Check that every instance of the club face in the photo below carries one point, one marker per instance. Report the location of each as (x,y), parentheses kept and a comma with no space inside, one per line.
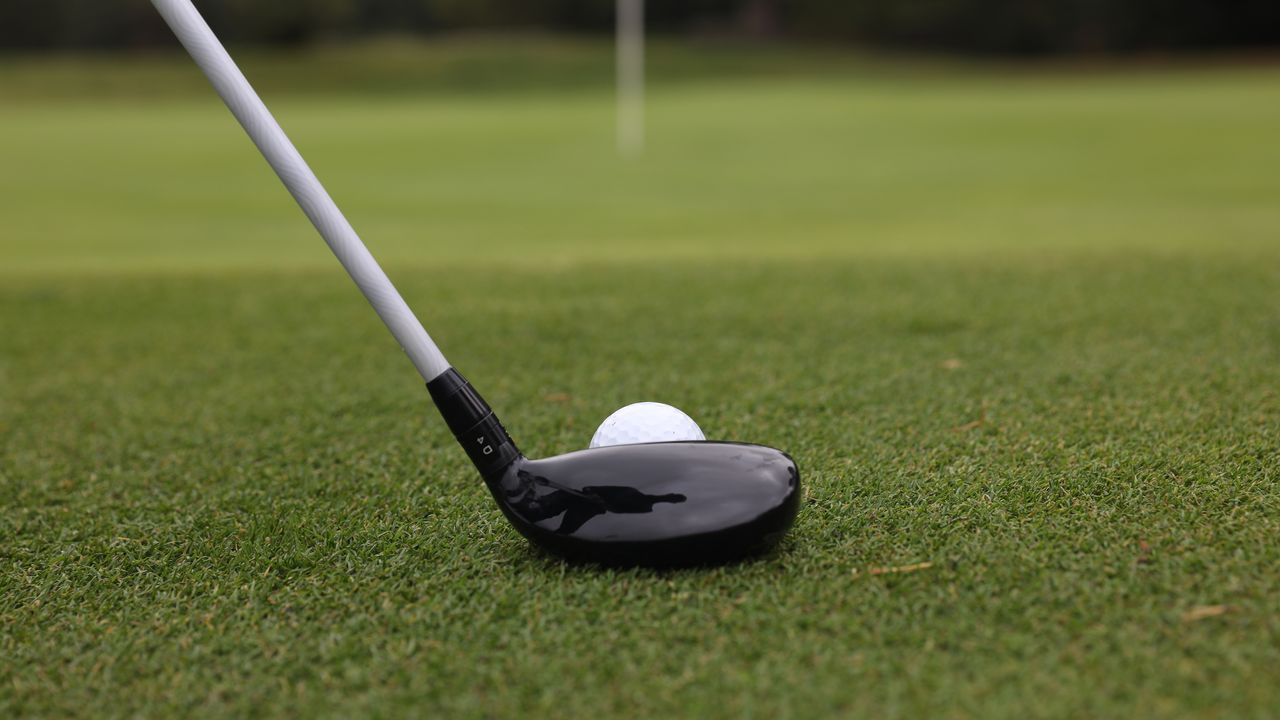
(656,504)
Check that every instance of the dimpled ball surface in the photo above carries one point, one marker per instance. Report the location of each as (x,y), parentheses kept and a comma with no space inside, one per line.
(646,422)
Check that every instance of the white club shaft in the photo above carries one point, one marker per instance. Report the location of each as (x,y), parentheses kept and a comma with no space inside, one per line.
(231,85)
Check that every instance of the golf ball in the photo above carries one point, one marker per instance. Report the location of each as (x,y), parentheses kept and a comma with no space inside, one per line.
(646,422)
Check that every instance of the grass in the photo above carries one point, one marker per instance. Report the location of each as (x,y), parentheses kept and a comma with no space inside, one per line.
(1018,327)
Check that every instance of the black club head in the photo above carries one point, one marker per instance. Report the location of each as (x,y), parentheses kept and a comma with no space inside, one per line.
(660,504)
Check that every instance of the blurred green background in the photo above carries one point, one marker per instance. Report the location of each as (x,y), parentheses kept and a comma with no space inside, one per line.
(1023,27)
(1003,277)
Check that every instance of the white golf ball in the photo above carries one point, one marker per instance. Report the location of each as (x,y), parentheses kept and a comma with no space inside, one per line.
(646,422)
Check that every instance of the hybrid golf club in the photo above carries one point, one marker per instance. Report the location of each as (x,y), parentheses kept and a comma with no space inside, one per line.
(672,503)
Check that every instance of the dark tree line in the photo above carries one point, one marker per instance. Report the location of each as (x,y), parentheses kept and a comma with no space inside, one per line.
(979,26)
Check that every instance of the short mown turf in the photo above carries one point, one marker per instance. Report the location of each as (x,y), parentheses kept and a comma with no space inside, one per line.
(1021,333)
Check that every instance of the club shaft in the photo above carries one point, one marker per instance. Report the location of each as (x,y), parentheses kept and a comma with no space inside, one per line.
(194,34)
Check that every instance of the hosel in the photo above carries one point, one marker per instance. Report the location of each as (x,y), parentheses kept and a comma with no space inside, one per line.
(473,424)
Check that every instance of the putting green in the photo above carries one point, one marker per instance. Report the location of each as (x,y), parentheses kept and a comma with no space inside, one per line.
(1018,329)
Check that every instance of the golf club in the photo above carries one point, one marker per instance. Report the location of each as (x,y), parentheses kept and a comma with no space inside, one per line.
(673,503)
